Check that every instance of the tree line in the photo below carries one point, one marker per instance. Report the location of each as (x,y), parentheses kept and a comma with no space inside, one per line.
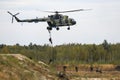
(104,53)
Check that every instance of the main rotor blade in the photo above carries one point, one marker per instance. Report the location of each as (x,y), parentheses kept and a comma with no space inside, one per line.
(74,10)
(50,11)
(68,11)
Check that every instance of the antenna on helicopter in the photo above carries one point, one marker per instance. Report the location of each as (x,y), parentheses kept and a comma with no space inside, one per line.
(13,15)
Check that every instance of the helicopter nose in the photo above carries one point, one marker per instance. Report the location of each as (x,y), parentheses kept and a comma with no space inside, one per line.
(73,22)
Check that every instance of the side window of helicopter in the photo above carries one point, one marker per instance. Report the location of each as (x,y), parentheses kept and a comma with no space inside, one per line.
(66,17)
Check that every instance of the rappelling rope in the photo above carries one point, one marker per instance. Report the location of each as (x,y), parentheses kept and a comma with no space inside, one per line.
(51,42)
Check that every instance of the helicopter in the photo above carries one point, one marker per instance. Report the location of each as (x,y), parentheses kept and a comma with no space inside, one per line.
(54,21)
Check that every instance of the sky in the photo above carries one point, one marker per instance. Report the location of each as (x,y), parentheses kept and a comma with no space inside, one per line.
(93,26)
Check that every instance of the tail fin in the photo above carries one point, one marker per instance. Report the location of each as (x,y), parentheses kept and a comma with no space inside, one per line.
(14,16)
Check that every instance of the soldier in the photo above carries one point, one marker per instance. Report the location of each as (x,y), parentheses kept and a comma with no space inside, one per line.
(50,61)
(76,68)
(50,39)
(64,68)
(91,68)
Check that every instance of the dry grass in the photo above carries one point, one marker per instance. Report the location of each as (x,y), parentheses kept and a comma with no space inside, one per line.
(19,67)
(108,72)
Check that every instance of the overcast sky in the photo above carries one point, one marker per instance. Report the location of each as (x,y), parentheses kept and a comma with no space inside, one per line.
(94,26)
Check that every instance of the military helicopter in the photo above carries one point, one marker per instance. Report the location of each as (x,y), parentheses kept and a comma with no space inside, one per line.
(54,21)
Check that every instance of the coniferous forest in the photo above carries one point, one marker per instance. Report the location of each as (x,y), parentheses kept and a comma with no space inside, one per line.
(104,53)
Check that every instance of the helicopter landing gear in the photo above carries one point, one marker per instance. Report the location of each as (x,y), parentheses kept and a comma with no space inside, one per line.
(57,28)
(49,28)
(68,28)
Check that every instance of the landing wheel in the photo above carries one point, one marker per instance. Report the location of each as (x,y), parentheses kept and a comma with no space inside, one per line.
(57,28)
(49,28)
(68,28)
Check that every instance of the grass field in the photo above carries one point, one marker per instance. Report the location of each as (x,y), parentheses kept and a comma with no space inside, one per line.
(19,67)
(108,72)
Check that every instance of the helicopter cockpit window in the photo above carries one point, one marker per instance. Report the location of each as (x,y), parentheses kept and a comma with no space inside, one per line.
(71,20)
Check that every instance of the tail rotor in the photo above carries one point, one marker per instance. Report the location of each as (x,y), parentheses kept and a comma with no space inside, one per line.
(13,15)
(12,19)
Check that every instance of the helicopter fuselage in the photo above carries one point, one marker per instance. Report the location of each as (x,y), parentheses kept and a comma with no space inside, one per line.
(59,20)
(54,21)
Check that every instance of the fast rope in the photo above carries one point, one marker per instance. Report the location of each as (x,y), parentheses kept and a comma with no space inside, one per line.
(51,42)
